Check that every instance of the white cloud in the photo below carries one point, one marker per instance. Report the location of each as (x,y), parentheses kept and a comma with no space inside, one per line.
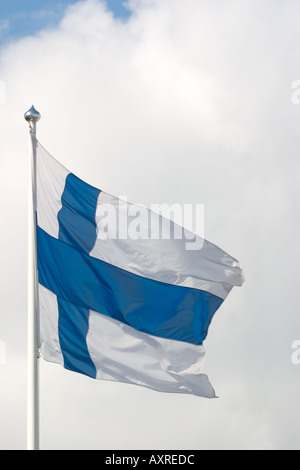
(178,104)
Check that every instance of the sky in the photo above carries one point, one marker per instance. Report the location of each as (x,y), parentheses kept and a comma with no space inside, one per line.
(19,18)
(164,101)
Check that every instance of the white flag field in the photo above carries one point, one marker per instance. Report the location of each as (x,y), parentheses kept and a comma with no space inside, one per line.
(118,298)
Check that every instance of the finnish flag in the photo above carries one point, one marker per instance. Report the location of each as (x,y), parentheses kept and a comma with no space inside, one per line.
(116,306)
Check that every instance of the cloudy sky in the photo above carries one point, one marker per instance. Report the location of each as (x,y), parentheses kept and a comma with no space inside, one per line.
(164,101)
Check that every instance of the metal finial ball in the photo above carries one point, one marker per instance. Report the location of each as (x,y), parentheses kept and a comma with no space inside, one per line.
(32,115)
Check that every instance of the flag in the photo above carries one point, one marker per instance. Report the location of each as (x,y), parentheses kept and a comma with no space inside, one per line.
(118,300)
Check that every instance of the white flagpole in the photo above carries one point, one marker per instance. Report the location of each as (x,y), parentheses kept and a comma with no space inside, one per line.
(32,116)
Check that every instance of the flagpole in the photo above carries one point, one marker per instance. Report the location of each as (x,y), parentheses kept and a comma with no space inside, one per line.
(32,117)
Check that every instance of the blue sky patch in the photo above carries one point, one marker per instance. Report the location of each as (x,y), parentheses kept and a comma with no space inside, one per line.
(19,18)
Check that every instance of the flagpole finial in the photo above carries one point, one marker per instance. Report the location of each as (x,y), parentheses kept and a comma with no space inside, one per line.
(32,116)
